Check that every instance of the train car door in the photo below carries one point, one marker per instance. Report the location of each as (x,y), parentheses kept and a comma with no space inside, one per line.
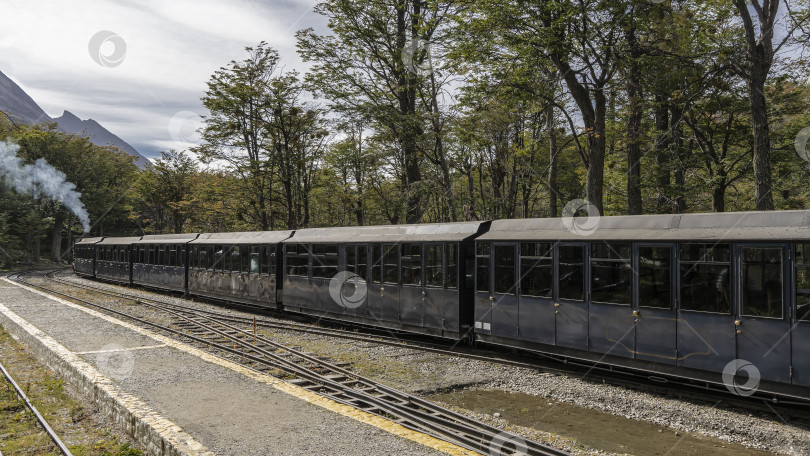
(800,331)
(706,337)
(762,324)
(571,305)
(655,317)
(505,289)
(390,289)
(412,292)
(375,287)
(484,298)
(612,320)
(537,317)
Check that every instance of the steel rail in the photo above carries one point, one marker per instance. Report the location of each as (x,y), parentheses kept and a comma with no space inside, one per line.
(618,376)
(414,413)
(56,440)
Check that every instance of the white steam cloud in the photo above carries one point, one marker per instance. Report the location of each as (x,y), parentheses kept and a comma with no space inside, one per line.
(41,178)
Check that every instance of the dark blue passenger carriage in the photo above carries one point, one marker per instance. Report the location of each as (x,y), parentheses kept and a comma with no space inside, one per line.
(679,294)
(84,256)
(113,259)
(240,267)
(160,260)
(408,277)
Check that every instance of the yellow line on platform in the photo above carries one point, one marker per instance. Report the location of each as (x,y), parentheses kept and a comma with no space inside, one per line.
(297,391)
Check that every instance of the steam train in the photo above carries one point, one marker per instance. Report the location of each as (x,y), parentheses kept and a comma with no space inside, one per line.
(716,298)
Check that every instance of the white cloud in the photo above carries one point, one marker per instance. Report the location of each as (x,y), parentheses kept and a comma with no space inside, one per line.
(173,47)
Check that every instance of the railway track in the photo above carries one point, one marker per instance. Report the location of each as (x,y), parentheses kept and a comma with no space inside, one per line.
(320,376)
(41,419)
(628,378)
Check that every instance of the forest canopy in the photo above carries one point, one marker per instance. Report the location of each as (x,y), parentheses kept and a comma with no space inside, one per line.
(431,111)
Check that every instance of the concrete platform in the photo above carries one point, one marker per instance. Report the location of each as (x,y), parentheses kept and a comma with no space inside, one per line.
(177,400)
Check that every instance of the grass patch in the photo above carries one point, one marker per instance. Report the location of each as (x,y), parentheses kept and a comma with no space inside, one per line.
(20,433)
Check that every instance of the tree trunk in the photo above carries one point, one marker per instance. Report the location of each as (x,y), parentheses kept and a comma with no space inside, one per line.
(407,109)
(719,196)
(762,143)
(56,235)
(662,154)
(759,60)
(634,97)
(593,116)
(678,158)
(553,188)
(596,153)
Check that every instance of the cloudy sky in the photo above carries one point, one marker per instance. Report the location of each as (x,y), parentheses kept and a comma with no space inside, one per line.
(151,97)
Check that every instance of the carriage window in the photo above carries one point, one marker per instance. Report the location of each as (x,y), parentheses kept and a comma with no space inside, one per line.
(452,266)
(215,262)
(362,261)
(376,267)
(391,264)
(482,267)
(802,282)
(433,265)
(271,260)
(244,259)
(181,255)
(504,257)
(173,256)
(762,281)
(255,260)
(705,271)
(654,277)
(571,266)
(202,257)
(297,260)
(324,260)
(233,253)
(161,255)
(611,273)
(350,253)
(411,264)
(536,273)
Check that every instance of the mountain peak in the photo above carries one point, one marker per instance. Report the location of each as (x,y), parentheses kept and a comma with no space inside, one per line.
(22,108)
(18,105)
(68,115)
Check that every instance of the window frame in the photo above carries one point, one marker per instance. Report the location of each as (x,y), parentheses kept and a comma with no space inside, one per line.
(674,272)
(522,273)
(598,259)
(732,271)
(585,271)
(794,288)
(738,253)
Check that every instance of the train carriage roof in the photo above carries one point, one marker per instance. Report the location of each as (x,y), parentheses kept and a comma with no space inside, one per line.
(389,233)
(248,237)
(89,241)
(731,226)
(167,238)
(120,240)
